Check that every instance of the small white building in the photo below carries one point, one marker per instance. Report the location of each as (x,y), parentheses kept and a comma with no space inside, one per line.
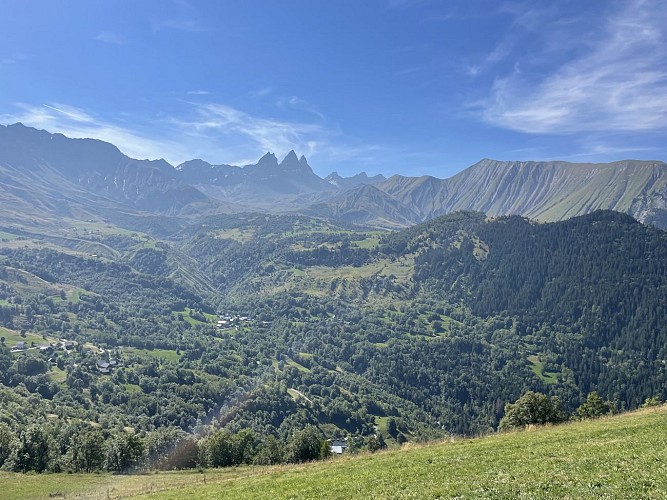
(338,447)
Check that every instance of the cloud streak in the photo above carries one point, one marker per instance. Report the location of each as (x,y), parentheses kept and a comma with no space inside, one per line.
(77,123)
(616,84)
(112,38)
(279,136)
(215,132)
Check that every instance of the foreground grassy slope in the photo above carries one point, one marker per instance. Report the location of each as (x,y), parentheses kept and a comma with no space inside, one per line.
(620,457)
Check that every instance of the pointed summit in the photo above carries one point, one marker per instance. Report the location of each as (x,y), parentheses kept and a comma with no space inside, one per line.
(292,163)
(268,160)
(290,158)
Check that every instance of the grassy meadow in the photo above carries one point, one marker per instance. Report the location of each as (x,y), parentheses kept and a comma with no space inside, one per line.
(618,457)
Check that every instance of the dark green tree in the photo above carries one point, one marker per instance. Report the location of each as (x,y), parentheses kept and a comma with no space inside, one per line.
(532,408)
(219,450)
(6,442)
(325,450)
(31,450)
(88,451)
(270,452)
(595,407)
(124,452)
(304,445)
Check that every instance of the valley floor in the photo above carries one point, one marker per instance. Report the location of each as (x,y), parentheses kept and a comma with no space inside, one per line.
(618,457)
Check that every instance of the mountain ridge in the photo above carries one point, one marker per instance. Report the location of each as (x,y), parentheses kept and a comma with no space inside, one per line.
(93,172)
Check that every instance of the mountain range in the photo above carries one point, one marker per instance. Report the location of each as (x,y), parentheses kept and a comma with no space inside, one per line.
(247,303)
(44,175)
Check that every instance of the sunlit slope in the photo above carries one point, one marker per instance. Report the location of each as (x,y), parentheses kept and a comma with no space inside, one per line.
(548,191)
(619,457)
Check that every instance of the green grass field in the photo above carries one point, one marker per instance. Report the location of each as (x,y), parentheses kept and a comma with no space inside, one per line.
(618,457)
(538,369)
(13,337)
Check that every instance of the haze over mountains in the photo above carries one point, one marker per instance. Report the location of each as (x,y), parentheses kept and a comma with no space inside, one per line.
(44,174)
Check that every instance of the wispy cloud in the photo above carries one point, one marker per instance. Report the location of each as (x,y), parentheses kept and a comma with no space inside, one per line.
(198,92)
(215,132)
(187,25)
(112,38)
(616,83)
(179,16)
(498,54)
(12,59)
(255,94)
(265,134)
(78,123)
(295,102)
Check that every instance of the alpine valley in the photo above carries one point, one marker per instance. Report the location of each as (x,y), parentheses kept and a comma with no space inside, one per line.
(239,314)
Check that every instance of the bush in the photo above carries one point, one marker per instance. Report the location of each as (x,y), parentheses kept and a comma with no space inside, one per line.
(649,402)
(304,445)
(532,408)
(595,407)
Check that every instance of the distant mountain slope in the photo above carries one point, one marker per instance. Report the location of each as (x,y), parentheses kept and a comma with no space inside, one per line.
(263,185)
(98,166)
(542,190)
(351,182)
(47,174)
(366,205)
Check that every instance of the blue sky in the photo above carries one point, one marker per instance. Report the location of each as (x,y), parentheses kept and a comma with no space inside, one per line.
(386,86)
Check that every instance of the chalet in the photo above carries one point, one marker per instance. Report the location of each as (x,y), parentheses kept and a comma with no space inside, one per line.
(338,447)
(105,367)
(20,345)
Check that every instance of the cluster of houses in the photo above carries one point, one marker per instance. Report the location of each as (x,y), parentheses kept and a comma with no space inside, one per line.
(230,320)
(65,345)
(103,367)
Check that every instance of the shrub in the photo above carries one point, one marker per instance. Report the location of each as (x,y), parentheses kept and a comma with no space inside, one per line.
(532,408)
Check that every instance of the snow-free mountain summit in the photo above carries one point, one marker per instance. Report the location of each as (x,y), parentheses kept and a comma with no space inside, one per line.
(50,173)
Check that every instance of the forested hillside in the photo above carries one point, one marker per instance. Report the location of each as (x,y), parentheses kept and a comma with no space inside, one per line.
(258,332)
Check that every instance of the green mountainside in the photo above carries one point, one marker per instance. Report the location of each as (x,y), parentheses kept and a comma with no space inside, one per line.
(269,324)
(138,314)
(616,457)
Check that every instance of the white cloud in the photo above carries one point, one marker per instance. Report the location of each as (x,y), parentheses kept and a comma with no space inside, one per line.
(112,38)
(254,94)
(77,123)
(12,59)
(273,135)
(215,132)
(179,24)
(179,15)
(616,83)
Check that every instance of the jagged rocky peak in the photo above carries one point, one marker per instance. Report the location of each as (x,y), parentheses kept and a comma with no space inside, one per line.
(269,160)
(292,163)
